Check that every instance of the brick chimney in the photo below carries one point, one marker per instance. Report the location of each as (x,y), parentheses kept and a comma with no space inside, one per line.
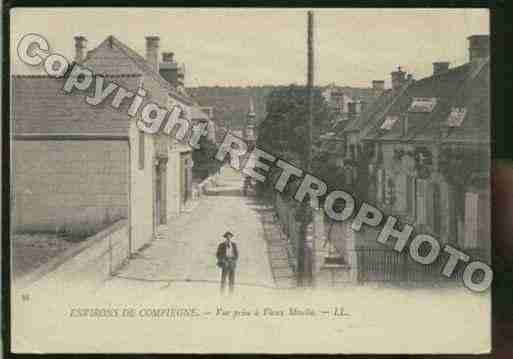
(80,49)
(398,78)
(152,51)
(168,57)
(478,47)
(171,71)
(378,85)
(440,67)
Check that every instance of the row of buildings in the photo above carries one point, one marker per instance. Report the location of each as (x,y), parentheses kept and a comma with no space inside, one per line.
(78,168)
(420,151)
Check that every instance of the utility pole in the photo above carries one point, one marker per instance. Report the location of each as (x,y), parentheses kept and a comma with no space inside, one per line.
(305,209)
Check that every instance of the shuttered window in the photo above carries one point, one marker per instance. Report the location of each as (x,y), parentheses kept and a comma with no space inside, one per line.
(471,219)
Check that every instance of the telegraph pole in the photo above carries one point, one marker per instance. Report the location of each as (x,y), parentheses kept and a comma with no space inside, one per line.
(309,85)
(305,207)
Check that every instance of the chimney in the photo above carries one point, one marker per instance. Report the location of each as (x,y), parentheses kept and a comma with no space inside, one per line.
(152,51)
(80,49)
(378,85)
(440,67)
(478,47)
(171,71)
(398,78)
(168,57)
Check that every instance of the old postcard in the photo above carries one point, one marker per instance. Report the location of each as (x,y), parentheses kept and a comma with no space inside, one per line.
(250,180)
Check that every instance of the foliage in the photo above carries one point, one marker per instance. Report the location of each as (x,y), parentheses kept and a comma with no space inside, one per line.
(284,130)
(464,167)
(284,134)
(204,160)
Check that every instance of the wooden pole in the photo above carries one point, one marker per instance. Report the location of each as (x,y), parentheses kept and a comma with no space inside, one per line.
(305,207)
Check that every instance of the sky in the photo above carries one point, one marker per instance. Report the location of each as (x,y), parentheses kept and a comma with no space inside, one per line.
(251,47)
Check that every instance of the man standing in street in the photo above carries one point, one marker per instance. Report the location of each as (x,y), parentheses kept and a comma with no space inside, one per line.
(227,255)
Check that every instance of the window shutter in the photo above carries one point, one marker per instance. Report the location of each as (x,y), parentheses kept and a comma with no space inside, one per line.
(428,198)
(471,217)
(421,201)
(141,150)
(379,185)
(436,209)
(484,227)
(410,194)
(401,193)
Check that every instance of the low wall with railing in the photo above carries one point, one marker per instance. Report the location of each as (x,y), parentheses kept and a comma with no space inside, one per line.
(94,260)
(359,257)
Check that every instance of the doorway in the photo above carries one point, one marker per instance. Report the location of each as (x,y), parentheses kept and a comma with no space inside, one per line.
(160,215)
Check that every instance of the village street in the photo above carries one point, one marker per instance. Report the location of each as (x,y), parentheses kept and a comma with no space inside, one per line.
(187,251)
(179,274)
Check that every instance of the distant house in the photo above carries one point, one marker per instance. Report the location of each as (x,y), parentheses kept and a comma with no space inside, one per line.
(78,168)
(432,152)
(422,153)
(347,103)
(357,128)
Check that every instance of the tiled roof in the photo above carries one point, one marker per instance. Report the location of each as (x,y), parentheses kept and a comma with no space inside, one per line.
(474,98)
(113,66)
(463,86)
(374,112)
(40,106)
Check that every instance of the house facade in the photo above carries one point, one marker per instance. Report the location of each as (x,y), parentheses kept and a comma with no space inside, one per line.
(431,159)
(422,150)
(348,103)
(79,168)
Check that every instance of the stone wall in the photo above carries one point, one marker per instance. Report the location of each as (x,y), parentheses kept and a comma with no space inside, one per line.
(72,186)
(92,261)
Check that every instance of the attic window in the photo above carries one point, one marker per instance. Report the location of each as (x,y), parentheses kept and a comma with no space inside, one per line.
(456,116)
(422,104)
(389,122)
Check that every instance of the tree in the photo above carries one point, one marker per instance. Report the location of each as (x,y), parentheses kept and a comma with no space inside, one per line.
(283,132)
(205,163)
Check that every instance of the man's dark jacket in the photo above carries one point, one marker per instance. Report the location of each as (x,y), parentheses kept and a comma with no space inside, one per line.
(221,252)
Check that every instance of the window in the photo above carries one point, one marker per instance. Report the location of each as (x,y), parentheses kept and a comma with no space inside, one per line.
(471,219)
(141,150)
(389,122)
(423,104)
(456,116)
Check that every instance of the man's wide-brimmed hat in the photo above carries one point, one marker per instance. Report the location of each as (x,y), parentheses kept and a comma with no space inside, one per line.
(227,233)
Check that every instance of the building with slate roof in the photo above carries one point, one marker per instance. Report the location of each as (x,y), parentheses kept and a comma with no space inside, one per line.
(78,168)
(422,152)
